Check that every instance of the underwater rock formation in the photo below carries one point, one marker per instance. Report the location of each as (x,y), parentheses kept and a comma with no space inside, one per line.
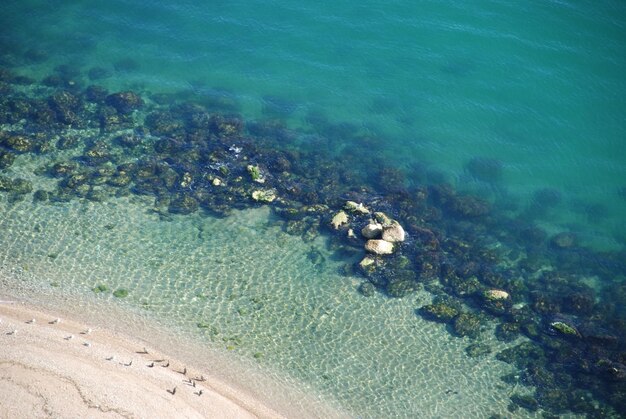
(478,263)
(125,102)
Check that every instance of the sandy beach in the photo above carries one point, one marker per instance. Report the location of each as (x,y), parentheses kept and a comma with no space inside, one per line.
(57,367)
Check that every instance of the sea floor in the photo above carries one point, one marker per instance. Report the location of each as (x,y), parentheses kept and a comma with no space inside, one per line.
(243,287)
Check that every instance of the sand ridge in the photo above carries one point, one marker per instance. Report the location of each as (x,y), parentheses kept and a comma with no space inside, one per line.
(51,368)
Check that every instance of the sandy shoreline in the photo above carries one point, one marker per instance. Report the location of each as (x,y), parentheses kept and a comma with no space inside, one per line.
(60,369)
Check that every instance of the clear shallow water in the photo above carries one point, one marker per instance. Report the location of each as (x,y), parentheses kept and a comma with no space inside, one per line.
(538,87)
(256,295)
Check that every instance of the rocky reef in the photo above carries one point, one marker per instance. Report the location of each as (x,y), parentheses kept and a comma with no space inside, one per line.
(481,266)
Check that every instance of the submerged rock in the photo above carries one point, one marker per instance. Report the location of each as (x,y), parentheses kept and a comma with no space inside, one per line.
(564,240)
(6,159)
(264,196)
(496,301)
(183,205)
(124,102)
(17,186)
(526,401)
(467,324)
(507,332)
(255,173)
(379,247)
(485,169)
(368,265)
(41,195)
(367,289)
(356,208)
(494,295)
(440,311)
(20,143)
(476,350)
(564,329)
(401,287)
(96,94)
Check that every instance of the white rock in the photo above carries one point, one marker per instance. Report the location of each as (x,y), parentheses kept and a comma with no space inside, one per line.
(372,231)
(339,219)
(379,247)
(394,232)
(216,182)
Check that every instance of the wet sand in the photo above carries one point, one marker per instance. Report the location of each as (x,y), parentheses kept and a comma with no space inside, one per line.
(64,369)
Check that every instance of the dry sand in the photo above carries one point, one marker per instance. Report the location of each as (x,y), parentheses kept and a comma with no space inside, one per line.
(46,373)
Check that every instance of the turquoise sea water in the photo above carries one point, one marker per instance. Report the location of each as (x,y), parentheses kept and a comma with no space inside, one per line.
(538,86)
(521,103)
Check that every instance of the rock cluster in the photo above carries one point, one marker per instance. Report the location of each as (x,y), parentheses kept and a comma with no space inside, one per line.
(382,233)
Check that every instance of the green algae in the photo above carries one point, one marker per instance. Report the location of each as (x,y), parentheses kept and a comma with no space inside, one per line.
(120,293)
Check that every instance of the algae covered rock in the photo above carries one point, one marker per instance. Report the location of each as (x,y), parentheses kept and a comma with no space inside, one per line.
(496,301)
(356,208)
(463,286)
(496,295)
(339,220)
(20,143)
(382,218)
(124,102)
(379,247)
(255,173)
(66,106)
(564,329)
(266,196)
(522,354)
(441,310)
(119,179)
(467,324)
(401,284)
(368,265)
(63,168)
(507,332)
(526,401)
(367,289)
(41,195)
(17,186)
(6,159)
(476,350)
(565,240)
(184,204)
